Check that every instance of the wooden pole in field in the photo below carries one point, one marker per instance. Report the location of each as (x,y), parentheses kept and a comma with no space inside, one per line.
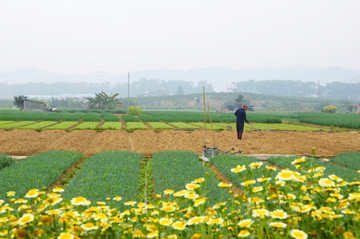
(204,117)
(212,129)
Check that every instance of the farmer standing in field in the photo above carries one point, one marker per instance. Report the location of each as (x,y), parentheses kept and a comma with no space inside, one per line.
(240,118)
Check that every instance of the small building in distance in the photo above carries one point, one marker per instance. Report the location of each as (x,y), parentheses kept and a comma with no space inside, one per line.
(36,105)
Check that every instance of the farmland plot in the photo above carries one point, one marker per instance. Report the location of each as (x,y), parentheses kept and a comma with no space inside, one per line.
(87,125)
(107,174)
(159,125)
(16,124)
(344,173)
(111,125)
(173,170)
(348,159)
(63,125)
(38,125)
(224,163)
(35,172)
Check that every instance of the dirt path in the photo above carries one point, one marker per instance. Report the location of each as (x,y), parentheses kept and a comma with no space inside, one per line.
(90,142)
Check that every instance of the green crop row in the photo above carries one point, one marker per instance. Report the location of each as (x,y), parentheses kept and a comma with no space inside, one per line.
(224,163)
(63,125)
(16,124)
(94,117)
(87,125)
(214,126)
(6,122)
(111,125)
(345,173)
(38,125)
(172,170)
(131,126)
(35,172)
(107,174)
(129,118)
(13,115)
(6,161)
(328,119)
(108,117)
(159,125)
(181,125)
(348,159)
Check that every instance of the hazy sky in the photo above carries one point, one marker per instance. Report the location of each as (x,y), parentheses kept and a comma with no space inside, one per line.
(85,36)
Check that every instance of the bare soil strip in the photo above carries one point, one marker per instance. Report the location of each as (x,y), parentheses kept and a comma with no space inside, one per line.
(67,175)
(123,123)
(89,142)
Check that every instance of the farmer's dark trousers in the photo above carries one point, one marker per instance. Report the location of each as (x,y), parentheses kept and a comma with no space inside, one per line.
(239,130)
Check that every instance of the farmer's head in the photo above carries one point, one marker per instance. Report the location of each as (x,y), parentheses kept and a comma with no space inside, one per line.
(245,107)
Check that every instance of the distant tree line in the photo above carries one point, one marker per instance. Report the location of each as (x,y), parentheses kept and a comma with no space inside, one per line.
(141,87)
(334,90)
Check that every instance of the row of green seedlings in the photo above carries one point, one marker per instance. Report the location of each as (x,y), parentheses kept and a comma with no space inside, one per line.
(173,170)
(326,119)
(35,172)
(348,173)
(350,161)
(11,115)
(56,125)
(108,175)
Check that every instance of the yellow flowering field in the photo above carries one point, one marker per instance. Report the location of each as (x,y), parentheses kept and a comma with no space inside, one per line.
(300,203)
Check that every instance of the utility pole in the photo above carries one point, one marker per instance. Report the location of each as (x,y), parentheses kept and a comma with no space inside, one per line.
(128,101)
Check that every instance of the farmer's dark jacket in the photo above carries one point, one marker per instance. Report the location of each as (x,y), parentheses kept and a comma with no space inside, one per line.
(241,116)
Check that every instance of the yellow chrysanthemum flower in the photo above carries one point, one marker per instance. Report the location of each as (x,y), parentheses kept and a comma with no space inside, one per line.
(58,190)
(10,194)
(20,201)
(280,214)
(138,234)
(165,221)
(153,234)
(89,226)
(168,208)
(216,221)
(299,160)
(80,201)
(168,192)
(348,235)
(179,225)
(181,193)
(257,189)
(26,218)
(260,212)
(192,186)
(285,175)
(248,182)
(224,185)
(199,201)
(195,220)
(130,203)
(33,193)
(192,196)
(278,224)
(199,180)
(244,233)
(238,169)
(255,165)
(325,182)
(245,223)
(117,198)
(66,235)
(298,234)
